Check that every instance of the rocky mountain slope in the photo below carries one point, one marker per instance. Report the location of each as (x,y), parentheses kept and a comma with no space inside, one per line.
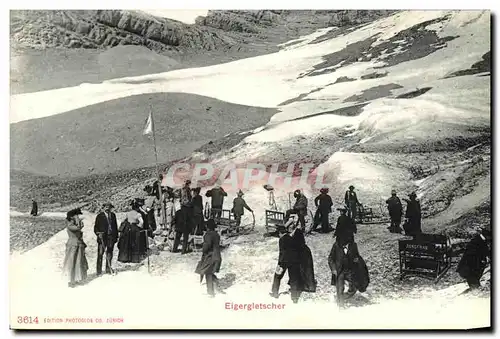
(54,49)
(218,30)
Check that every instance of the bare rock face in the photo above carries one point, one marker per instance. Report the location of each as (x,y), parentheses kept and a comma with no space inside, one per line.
(357,17)
(108,28)
(219,30)
(240,21)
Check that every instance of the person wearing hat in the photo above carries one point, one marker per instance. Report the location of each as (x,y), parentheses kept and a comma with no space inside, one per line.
(299,208)
(217,195)
(346,228)
(395,212)
(34,208)
(211,259)
(351,201)
(182,230)
(346,265)
(476,257)
(186,200)
(198,219)
(413,216)
(324,205)
(239,204)
(169,212)
(132,243)
(147,217)
(154,210)
(75,264)
(184,218)
(106,230)
(288,260)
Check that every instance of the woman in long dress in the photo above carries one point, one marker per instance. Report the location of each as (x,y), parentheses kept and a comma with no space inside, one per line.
(75,263)
(132,241)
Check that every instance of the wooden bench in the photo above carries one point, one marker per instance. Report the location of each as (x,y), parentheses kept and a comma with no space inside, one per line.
(226,220)
(364,214)
(274,219)
(427,256)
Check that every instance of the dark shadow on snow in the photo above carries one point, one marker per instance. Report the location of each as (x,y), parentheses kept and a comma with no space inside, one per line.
(414,94)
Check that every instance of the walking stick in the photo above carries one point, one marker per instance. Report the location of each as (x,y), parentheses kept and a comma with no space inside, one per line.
(105,253)
(147,248)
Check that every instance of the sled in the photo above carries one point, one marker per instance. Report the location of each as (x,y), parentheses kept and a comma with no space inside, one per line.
(366,216)
(196,243)
(426,255)
(228,225)
(274,219)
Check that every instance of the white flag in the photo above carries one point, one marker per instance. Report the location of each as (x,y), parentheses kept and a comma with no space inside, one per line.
(149,125)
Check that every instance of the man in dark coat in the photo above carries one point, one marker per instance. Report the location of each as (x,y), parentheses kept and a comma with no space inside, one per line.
(344,260)
(307,279)
(412,225)
(211,259)
(324,205)
(198,220)
(351,201)
(34,208)
(395,212)
(288,260)
(186,200)
(346,228)
(239,204)
(475,258)
(299,208)
(217,194)
(106,229)
(181,230)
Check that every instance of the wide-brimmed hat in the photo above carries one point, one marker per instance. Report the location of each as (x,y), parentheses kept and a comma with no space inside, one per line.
(73,212)
(108,204)
(393,191)
(268,187)
(351,187)
(240,193)
(324,190)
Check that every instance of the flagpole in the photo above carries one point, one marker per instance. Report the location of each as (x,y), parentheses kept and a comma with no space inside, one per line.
(160,192)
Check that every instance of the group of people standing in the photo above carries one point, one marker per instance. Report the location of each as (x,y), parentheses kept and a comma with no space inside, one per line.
(190,218)
(295,257)
(345,262)
(131,237)
(413,216)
